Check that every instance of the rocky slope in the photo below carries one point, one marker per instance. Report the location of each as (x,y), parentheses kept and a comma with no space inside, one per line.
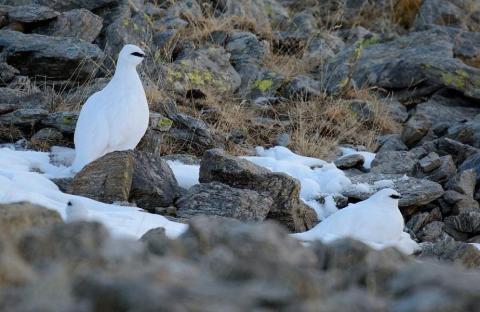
(228,75)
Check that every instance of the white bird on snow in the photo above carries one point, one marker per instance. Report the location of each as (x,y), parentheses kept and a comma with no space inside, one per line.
(115,118)
(376,221)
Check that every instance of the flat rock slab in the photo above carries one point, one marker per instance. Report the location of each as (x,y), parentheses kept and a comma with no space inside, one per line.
(31,13)
(218,199)
(415,192)
(107,179)
(52,57)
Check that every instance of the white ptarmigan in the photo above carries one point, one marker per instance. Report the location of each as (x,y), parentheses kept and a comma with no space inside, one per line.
(376,221)
(115,118)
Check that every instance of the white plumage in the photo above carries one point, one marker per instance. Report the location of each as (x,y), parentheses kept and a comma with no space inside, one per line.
(376,221)
(115,118)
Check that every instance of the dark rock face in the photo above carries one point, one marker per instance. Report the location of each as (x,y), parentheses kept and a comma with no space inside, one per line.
(31,13)
(217,199)
(284,190)
(153,182)
(79,23)
(56,58)
(107,179)
(63,5)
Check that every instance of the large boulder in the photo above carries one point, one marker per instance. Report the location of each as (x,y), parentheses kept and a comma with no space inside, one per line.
(218,199)
(283,190)
(107,179)
(78,23)
(51,57)
(64,5)
(31,14)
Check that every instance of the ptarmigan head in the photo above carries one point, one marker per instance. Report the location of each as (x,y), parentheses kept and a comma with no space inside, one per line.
(130,55)
(387,195)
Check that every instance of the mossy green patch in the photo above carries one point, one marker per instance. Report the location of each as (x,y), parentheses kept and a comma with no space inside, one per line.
(456,79)
(164,122)
(262,84)
(68,120)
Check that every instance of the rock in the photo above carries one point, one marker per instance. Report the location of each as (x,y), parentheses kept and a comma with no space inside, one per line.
(195,134)
(370,62)
(398,162)
(18,217)
(7,73)
(419,220)
(78,23)
(396,110)
(247,54)
(439,12)
(23,118)
(415,192)
(217,199)
(283,139)
(467,133)
(463,182)
(302,87)
(466,222)
(153,182)
(433,232)
(63,121)
(448,108)
(284,190)
(415,129)
(31,13)
(107,179)
(349,161)
(391,142)
(56,58)
(46,138)
(472,162)
(74,244)
(445,146)
(430,162)
(64,5)
(446,170)
(456,252)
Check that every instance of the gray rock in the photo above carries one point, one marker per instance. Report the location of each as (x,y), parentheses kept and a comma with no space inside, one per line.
(18,217)
(349,161)
(458,151)
(391,142)
(430,162)
(444,172)
(466,222)
(420,219)
(153,182)
(63,121)
(107,179)
(46,138)
(467,133)
(283,139)
(472,162)
(303,87)
(23,118)
(284,190)
(415,192)
(463,182)
(64,5)
(78,23)
(395,64)
(193,133)
(452,251)
(447,108)
(398,162)
(217,199)
(31,99)
(433,232)
(439,12)
(31,13)
(7,73)
(55,58)
(396,110)
(202,71)
(415,129)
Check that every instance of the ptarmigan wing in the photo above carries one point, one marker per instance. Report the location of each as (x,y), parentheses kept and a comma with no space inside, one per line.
(91,133)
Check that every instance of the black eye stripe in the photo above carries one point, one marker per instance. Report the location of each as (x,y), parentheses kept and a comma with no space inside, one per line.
(137,54)
(395,196)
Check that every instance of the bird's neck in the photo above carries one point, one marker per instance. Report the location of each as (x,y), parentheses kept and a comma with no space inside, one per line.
(125,73)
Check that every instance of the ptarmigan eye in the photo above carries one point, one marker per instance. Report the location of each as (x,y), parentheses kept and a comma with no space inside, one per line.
(138,54)
(395,196)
